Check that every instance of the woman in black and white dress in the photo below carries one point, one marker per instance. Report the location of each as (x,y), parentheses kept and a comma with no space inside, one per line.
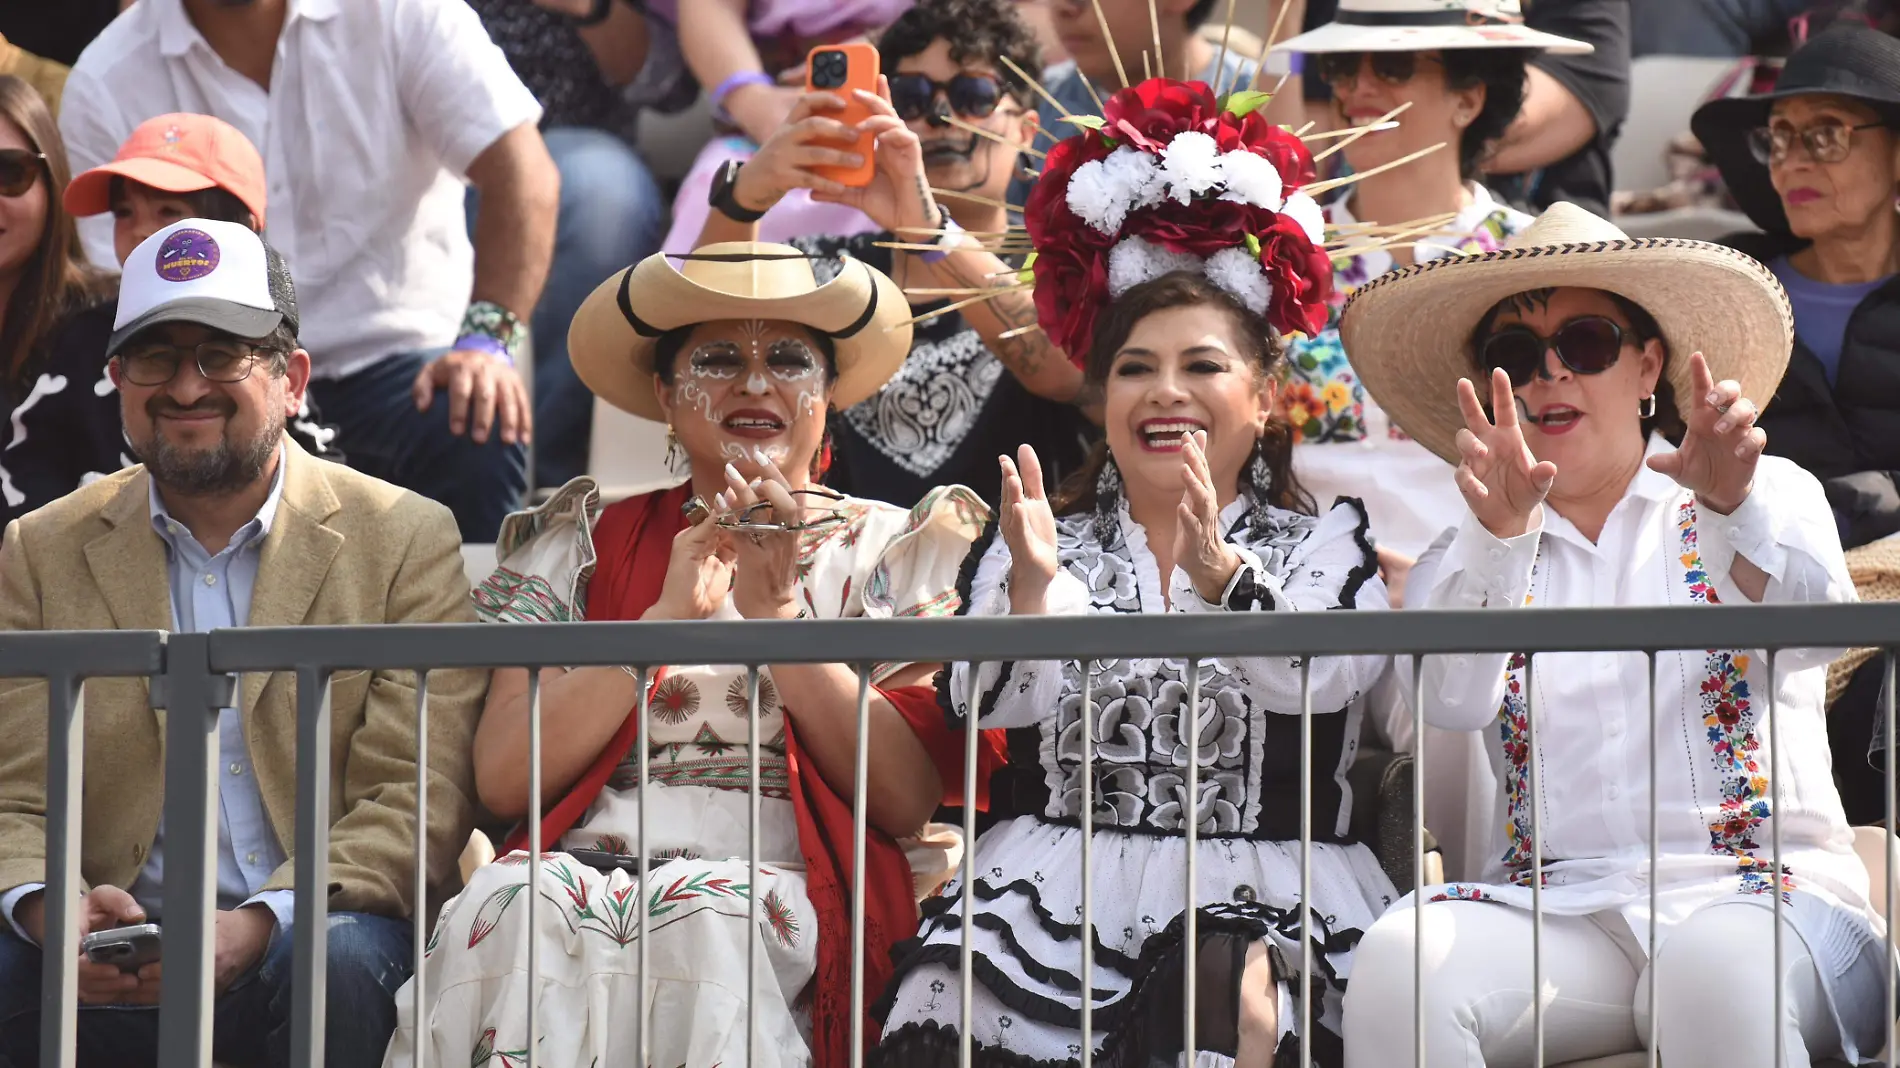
(1193,509)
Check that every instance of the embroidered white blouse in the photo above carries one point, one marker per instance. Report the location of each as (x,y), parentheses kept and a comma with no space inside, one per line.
(1715,795)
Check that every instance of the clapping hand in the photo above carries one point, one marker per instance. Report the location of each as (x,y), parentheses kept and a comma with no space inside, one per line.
(1199,548)
(1722,445)
(766,562)
(1029,529)
(1504,485)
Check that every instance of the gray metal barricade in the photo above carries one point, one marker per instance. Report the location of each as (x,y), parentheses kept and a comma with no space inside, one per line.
(196,672)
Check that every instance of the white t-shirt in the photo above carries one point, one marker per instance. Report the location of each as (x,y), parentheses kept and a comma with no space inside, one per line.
(376,109)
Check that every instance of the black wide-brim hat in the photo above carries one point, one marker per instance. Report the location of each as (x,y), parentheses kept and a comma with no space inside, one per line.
(1848,59)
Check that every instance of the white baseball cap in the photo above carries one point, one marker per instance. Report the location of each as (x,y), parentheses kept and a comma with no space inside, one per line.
(218,274)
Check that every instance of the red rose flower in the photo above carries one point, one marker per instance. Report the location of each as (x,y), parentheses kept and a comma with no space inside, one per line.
(1071,290)
(1302,277)
(1255,134)
(1200,228)
(1150,114)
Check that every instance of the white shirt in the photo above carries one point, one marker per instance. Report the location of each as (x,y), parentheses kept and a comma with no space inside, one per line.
(1714,813)
(376,109)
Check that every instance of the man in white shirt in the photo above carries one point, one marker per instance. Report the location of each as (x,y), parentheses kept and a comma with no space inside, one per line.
(369,114)
(227,524)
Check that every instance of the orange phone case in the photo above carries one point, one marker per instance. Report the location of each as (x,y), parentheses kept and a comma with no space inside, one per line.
(861,70)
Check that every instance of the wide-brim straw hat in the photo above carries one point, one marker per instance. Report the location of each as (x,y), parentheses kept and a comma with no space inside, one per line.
(862,311)
(1848,59)
(1427,25)
(1408,332)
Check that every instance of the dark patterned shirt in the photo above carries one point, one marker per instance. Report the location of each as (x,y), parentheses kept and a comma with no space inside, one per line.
(547,54)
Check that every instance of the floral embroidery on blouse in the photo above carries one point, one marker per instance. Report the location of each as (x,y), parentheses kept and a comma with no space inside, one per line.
(1322,398)
(1461,892)
(1729,716)
(1514,732)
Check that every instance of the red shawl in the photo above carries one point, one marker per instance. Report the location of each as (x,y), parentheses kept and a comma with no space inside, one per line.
(634,540)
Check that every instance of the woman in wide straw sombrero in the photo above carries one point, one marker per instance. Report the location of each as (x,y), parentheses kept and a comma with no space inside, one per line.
(742,354)
(1617,463)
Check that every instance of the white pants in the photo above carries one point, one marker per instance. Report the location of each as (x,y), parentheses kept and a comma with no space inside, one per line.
(1716,995)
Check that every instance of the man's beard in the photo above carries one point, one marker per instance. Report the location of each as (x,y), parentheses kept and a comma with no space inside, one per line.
(221,470)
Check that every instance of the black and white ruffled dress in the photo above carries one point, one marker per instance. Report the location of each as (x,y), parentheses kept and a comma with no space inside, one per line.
(1027,945)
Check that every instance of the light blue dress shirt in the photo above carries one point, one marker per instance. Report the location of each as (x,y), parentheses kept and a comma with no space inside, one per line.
(207,592)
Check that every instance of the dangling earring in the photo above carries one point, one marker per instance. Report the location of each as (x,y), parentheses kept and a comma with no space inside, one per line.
(674,454)
(1108,498)
(1648,408)
(1257,483)
(821,463)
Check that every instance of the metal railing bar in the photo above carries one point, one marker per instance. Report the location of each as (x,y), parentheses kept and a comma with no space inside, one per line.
(534,859)
(192,697)
(966,959)
(1887,847)
(1774,874)
(1655,882)
(1088,864)
(1535,785)
(752,854)
(311,902)
(642,1038)
(1191,818)
(1179,636)
(860,799)
(1306,863)
(82,654)
(59,973)
(420,937)
(1418,865)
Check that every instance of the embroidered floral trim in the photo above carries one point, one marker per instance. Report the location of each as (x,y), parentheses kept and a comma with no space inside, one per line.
(508,597)
(1462,892)
(1729,716)
(1514,731)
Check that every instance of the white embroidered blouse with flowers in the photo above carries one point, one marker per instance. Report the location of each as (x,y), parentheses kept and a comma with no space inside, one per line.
(1246,735)
(1716,796)
(1347,447)
(880,562)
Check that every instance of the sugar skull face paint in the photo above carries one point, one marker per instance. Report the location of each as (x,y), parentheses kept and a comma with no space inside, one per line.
(748,391)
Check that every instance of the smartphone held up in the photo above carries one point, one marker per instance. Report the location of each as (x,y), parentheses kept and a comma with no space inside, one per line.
(841,69)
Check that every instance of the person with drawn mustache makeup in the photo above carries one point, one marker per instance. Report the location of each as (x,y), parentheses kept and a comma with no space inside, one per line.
(979,379)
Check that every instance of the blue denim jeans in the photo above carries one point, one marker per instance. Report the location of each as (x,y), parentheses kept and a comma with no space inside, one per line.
(612,215)
(385,436)
(369,960)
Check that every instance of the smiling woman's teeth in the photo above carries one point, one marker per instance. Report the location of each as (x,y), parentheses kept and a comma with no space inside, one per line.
(1158,433)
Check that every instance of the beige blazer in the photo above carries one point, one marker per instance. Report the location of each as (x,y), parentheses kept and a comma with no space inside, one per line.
(344,549)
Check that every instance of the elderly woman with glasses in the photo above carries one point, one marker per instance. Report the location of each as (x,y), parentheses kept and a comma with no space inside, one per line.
(741,353)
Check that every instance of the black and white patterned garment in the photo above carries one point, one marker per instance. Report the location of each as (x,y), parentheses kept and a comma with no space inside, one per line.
(546,52)
(1246,733)
(948,412)
(63,429)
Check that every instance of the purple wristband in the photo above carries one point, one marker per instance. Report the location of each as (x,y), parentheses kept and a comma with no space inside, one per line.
(484,343)
(733,81)
(950,229)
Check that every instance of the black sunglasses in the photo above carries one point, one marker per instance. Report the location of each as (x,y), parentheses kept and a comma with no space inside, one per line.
(1588,345)
(973,96)
(19,169)
(1392,68)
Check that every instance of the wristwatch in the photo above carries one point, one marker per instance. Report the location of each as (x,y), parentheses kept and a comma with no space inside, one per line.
(725,179)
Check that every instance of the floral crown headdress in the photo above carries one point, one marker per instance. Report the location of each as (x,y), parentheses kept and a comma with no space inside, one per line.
(1174,176)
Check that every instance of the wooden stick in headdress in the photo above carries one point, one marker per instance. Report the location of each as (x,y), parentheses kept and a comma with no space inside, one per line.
(1390,241)
(1109,39)
(990,202)
(1093,95)
(1220,64)
(948,308)
(1326,135)
(1361,131)
(1019,331)
(1317,188)
(1147,71)
(1036,85)
(1273,35)
(994,136)
(1154,28)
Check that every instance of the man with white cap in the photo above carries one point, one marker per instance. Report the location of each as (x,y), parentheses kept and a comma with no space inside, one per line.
(227,524)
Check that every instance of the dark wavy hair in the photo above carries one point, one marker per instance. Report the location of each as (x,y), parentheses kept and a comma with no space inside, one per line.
(978,32)
(1502,73)
(1643,329)
(1264,348)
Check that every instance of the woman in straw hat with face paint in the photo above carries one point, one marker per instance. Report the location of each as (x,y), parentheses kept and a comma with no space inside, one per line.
(742,355)
(1616,462)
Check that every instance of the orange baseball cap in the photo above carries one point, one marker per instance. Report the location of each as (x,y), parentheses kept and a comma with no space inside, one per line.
(177,153)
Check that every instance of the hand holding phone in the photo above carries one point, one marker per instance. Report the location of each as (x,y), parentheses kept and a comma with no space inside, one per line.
(841,69)
(126,948)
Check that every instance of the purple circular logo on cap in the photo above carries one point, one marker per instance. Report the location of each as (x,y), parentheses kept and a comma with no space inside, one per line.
(187,254)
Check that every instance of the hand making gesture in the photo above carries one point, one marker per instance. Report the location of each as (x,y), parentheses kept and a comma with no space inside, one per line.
(1721,446)
(766,562)
(699,571)
(898,196)
(1504,485)
(1029,529)
(1199,548)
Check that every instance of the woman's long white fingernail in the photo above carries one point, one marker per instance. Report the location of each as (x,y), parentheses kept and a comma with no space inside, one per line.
(733,473)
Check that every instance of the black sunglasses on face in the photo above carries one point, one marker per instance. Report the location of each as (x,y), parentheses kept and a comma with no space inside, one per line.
(19,169)
(1588,345)
(1392,68)
(973,96)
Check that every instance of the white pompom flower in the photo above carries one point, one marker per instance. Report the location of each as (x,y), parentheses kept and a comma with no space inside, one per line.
(1252,180)
(1133,261)
(1240,274)
(1135,177)
(1306,211)
(1092,198)
(1191,164)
